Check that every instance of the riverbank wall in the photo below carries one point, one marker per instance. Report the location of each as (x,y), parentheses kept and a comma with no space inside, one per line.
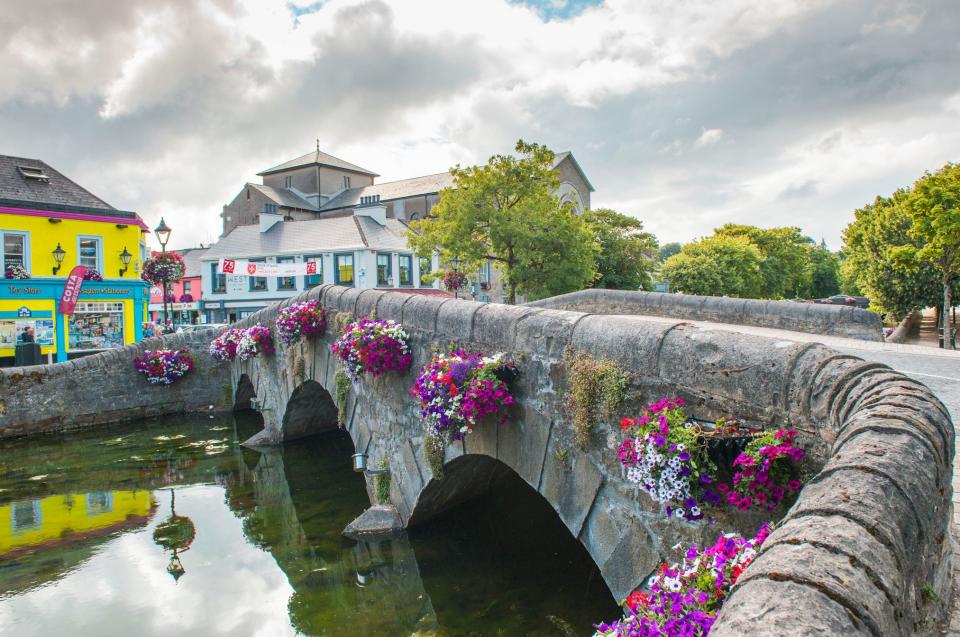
(105,388)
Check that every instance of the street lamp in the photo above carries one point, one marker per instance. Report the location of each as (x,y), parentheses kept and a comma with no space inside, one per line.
(163,236)
(58,255)
(456,268)
(125,260)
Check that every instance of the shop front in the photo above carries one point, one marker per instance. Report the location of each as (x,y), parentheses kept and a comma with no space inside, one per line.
(108,315)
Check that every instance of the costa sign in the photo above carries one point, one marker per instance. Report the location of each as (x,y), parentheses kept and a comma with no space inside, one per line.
(71,290)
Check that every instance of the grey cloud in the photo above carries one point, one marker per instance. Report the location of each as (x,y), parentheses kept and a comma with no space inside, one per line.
(799,191)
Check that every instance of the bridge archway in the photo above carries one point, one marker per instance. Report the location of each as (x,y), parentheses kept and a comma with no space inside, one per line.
(310,410)
(243,394)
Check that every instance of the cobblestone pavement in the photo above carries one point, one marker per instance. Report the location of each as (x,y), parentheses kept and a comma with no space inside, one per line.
(936,368)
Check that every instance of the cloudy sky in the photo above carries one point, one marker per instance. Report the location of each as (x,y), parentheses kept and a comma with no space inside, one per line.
(685,114)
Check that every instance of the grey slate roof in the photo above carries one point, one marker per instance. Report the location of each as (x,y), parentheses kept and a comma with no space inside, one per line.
(191,260)
(59,194)
(330,234)
(402,189)
(284,197)
(558,159)
(317,158)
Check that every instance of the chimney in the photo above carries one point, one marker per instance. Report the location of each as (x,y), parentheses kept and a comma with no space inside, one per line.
(370,206)
(268,220)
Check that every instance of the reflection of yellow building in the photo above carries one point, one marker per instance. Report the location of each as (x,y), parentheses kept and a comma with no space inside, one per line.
(58,519)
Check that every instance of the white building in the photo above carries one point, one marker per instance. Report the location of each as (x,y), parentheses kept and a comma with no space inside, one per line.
(361,248)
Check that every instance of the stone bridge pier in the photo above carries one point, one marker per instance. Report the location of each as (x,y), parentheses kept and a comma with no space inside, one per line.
(858,552)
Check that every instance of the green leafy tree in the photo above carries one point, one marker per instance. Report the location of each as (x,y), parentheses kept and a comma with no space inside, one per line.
(667,250)
(507,211)
(934,208)
(785,264)
(627,252)
(872,240)
(824,272)
(716,266)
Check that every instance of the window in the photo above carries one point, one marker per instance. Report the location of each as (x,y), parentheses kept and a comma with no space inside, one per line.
(99,503)
(270,207)
(426,265)
(384,269)
(343,268)
(95,326)
(313,280)
(485,273)
(187,287)
(286,282)
(406,269)
(90,252)
(258,283)
(219,280)
(288,182)
(34,173)
(346,181)
(25,515)
(15,250)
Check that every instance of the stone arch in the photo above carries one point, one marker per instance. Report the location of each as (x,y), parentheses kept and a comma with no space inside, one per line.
(310,410)
(243,393)
(568,193)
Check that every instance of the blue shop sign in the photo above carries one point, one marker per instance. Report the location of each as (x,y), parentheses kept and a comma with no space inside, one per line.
(24,312)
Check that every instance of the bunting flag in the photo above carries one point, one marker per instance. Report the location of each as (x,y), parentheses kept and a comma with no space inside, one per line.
(71,290)
(256,268)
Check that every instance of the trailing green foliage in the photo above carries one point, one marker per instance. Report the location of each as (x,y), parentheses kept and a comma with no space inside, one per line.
(342,320)
(597,388)
(381,483)
(434,449)
(343,394)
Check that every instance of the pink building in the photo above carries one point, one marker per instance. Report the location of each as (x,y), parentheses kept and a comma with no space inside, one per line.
(183,301)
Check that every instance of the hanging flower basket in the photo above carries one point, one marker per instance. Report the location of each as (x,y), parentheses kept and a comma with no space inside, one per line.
(224,347)
(766,473)
(666,455)
(255,340)
(186,298)
(685,598)
(726,439)
(301,319)
(165,366)
(373,347)
(454,280)
(163,266)
(92,275)
(16,272)
(458,391)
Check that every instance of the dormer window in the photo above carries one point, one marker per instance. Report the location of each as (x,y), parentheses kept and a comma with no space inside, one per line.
(288,182)
(270,208)
(34,173)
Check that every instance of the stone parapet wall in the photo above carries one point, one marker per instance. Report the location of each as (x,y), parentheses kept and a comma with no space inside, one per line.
(865,548)
(813,318)
(106,388)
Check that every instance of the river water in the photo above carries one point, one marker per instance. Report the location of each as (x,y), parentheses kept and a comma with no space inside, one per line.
(170,527)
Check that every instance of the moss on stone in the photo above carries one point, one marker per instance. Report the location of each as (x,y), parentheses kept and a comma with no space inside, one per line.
(342,396)
(381,483)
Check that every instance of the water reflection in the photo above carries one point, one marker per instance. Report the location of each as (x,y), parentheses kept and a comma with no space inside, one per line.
(92,526)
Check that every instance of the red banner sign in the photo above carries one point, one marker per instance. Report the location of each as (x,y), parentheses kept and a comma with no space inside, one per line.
(71,290)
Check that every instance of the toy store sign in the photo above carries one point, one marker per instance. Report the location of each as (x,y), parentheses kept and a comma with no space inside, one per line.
(17,291)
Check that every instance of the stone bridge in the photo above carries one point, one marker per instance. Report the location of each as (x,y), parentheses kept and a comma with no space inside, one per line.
(864,551)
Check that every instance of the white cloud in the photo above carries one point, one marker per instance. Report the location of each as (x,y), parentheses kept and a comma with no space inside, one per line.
(709,137)
(168,106)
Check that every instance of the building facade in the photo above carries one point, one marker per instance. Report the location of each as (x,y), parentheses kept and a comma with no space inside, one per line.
(48,225)
(183,302)
(362,249)
(318,186)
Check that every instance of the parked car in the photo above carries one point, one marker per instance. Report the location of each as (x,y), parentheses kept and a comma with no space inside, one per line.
(840,299)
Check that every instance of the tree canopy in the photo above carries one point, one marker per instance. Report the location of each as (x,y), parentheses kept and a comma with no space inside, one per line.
(627,253)
(721,265)
(785,258)
(506,211)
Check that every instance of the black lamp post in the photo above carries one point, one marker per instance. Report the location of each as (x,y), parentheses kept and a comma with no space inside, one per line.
(125,260)
(58,255)
(163,236)
(456,268)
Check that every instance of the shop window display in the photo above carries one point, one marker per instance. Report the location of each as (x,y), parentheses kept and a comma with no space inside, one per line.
(96,326)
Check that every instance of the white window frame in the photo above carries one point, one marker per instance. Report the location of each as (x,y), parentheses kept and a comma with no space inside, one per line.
(99,240)
(26,250)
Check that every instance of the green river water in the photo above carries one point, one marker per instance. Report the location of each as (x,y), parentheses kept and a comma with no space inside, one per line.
(170,527)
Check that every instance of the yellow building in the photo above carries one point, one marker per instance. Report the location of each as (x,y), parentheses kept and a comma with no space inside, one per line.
(49,225)
(56,519)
